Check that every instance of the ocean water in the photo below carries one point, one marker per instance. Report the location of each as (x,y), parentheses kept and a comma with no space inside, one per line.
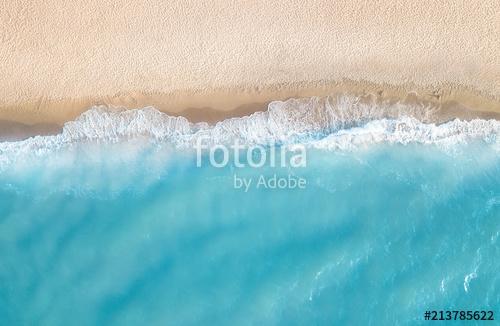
(119,220)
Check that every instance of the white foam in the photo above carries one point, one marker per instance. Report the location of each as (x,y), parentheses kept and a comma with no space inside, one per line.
(346,121)
(408,130)
(468,278)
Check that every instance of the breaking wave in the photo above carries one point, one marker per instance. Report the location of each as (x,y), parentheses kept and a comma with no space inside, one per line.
(342,122)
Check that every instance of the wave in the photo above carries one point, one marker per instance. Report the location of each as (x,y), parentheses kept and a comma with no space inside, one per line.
(409,130)
(340,122)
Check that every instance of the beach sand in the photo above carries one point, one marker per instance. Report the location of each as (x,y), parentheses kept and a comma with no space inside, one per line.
(208,60)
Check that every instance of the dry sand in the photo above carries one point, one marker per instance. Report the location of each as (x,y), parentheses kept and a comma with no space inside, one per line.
(212,59)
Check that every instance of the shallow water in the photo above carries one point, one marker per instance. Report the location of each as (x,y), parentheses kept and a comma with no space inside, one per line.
(132,231)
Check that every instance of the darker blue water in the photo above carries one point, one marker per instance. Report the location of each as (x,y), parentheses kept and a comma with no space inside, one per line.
(377,237)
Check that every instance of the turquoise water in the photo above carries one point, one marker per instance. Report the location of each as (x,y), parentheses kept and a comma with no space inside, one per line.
(135,233)
(378,236)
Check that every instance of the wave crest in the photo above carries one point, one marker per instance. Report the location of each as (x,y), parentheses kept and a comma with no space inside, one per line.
(409,130)
(345,121)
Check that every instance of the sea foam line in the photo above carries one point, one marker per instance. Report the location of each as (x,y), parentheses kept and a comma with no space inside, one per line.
(340,122)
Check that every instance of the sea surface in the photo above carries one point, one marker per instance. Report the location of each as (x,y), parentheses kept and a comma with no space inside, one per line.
(122,220)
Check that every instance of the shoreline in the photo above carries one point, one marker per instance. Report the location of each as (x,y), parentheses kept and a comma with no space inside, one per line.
(223,103)
(46,117)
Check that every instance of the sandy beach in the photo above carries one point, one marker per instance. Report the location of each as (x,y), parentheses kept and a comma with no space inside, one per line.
(211,59)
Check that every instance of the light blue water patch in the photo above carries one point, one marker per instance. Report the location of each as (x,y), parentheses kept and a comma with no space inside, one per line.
(139,235)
